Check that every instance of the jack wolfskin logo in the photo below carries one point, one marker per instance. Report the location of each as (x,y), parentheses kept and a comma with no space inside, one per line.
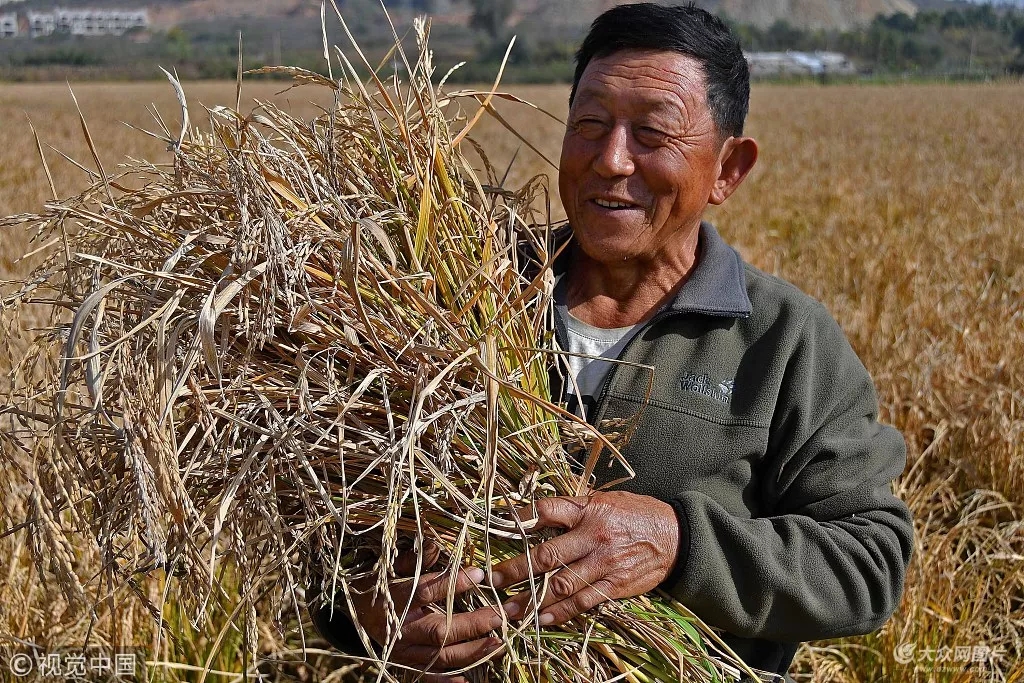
(701,383)
(725,386)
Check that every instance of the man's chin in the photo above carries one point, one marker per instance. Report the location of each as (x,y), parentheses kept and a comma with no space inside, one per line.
(611,236)
(609,250)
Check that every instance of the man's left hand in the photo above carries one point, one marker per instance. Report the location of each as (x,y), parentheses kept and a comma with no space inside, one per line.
(616,545)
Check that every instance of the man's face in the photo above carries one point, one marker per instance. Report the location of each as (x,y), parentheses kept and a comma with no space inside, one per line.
(640,155)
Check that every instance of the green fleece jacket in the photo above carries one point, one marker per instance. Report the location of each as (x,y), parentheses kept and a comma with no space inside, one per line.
(761,431)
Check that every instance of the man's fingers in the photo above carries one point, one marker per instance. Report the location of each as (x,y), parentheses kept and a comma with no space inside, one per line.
(560,512)
(458,656)
(559,552)
(569,581)
(580,602)
(437,678)
(437,643)
(438,630)
(405,563)
(561,585)
(437,587)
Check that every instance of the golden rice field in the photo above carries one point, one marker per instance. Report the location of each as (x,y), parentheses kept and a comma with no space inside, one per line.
(901,208)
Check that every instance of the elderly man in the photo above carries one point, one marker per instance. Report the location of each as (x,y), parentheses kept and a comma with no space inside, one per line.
(762,497)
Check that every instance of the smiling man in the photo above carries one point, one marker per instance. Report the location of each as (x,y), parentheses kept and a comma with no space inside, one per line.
(762,497)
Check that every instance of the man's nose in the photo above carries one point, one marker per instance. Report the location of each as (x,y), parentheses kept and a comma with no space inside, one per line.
(615,158)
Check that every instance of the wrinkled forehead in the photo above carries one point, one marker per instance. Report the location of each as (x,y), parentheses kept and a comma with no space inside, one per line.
(649,78)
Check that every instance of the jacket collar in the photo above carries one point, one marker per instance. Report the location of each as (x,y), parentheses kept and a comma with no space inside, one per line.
(717,286)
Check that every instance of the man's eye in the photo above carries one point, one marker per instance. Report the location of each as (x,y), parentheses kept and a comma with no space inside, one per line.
(589,127)
(648,135)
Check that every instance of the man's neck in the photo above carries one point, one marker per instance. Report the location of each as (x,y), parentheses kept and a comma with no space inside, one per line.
(623,294)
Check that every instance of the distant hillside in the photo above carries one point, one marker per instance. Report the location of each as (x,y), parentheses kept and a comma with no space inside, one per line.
(169,14)
(828,14)
(936,38)
(841,14)
(835,14)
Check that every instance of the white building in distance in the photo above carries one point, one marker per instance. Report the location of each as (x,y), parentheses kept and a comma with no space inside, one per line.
(40,23)
(799,64)
(86,22)
(8,25)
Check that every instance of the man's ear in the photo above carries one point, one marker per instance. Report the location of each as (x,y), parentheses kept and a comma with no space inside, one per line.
(737,158)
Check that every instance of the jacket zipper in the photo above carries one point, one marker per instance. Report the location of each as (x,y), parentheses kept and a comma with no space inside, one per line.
(599,406)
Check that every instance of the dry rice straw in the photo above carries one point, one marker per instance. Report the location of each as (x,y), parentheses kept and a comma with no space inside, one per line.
(305,343)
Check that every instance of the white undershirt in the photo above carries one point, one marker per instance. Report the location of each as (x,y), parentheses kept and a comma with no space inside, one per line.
(588,370)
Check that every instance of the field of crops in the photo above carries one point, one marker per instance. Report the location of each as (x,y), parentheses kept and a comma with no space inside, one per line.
(901,208)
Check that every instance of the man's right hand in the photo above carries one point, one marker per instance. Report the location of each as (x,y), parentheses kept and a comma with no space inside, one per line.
(429,641)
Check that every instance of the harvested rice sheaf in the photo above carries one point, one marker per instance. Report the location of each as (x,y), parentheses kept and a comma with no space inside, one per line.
(301,346)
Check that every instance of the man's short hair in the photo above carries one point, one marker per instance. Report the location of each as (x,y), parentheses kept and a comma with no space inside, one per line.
(685,29)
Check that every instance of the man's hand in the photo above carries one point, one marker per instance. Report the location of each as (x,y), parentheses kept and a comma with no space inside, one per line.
(617,545)
(429,640)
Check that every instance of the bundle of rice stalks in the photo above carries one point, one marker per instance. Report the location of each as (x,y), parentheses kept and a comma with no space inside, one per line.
(305,343)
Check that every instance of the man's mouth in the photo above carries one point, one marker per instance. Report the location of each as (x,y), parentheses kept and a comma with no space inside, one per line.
(607,204)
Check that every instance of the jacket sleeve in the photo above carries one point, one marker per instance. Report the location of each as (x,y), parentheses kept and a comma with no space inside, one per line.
(332,621)
(831,558)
